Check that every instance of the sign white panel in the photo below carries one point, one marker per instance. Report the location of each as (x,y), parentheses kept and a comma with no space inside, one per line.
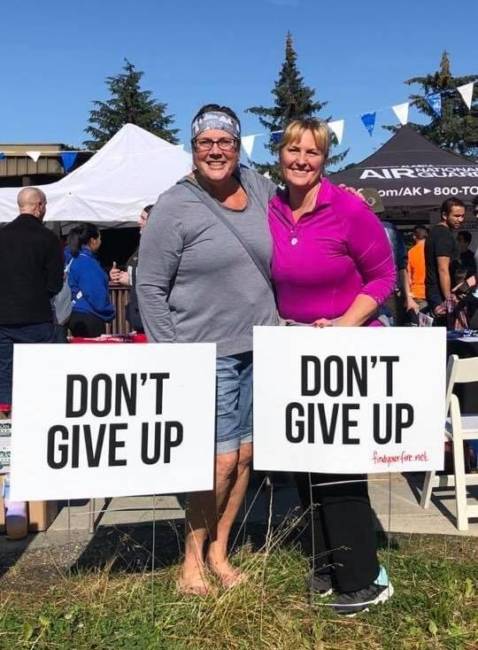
(98,420)
(349,400)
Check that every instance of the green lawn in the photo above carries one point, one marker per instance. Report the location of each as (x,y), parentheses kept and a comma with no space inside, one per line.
(435,606)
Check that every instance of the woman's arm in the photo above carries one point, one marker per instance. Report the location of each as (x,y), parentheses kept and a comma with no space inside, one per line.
(92,283)
(159,257)
(371,252)
(359,312)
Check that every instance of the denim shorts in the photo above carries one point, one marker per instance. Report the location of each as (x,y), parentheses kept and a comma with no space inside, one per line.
(233,402)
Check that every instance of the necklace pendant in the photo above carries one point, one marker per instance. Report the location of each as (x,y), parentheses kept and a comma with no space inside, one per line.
(294,241)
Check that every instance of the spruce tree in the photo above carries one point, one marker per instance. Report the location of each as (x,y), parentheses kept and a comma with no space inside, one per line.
(292,100)
(128,104)
(456,128)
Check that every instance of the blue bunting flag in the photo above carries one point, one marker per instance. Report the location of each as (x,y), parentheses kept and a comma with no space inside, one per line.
(68,159)
(368,120)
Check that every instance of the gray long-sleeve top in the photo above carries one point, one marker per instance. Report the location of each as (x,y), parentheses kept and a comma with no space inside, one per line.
(195,280)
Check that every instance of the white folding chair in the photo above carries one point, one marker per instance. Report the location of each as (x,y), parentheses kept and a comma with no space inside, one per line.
(458,428)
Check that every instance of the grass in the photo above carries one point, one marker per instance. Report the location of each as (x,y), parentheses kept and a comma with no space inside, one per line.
(435,606)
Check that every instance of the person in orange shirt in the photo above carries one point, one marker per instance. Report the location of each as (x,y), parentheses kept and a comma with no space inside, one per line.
(416,266)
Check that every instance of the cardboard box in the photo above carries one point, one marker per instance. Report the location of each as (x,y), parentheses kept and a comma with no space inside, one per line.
(41,514)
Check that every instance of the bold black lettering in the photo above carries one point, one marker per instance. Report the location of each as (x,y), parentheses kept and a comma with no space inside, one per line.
(95,395)
(311,422)
(292,436)
(75,445)
(388,361)
(62,448)
(347,424)
(93,456)
(159,377)
(115,445)
(405,417)
(126,393)
(70,410)
(377,435)
(328,433)
(330,363)
(358,374)
(150,460)
(169,441)
(309,365)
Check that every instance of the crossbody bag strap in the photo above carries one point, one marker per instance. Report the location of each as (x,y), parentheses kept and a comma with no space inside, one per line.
(211,204)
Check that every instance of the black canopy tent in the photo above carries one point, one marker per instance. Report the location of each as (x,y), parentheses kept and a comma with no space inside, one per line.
(413,176)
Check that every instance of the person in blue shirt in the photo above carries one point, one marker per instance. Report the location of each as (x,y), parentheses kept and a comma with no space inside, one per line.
(91,306)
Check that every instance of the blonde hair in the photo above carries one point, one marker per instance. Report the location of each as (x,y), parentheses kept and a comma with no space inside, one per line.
(296,129)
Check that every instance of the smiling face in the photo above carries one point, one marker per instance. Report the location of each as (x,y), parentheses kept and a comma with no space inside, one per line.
(216,165)
(302,162)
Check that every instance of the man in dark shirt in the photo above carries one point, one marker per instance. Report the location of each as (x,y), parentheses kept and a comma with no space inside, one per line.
(31,273)
(441,255)
(467,256)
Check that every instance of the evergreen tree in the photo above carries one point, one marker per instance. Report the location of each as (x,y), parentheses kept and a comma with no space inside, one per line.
(128,104)
(456,128)
(292,100)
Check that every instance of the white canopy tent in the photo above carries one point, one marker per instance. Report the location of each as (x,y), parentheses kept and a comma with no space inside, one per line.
(129,172)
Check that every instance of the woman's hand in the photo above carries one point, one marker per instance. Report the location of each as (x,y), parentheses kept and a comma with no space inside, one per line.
(352,190)
(324,322)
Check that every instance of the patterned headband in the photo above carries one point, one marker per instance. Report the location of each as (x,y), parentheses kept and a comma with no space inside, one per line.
(215,120)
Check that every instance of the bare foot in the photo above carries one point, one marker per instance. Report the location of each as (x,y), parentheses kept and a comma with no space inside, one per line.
(228,575)
(193,584)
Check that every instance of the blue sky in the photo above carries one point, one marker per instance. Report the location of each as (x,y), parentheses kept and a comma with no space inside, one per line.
(356,54)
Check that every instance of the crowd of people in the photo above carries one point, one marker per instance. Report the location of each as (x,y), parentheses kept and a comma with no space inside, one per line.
(221,251)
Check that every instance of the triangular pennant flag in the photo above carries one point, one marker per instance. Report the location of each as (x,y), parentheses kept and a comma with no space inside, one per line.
(434,102)
(276,136)
(401,111)
(466,91)
(68,159)
(34,155)
(338,128)
(368,120)
(247,142)
(2,155)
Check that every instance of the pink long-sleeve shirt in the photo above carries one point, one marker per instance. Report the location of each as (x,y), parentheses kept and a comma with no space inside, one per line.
(322,262)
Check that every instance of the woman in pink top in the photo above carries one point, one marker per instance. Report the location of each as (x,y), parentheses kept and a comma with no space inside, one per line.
(332,265)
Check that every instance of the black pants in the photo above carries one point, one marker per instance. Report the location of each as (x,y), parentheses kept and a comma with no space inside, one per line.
(345,540)
(9,335)
(86,325)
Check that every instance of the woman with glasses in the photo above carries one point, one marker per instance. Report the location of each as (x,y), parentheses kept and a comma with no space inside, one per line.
(332,266)
(203,271)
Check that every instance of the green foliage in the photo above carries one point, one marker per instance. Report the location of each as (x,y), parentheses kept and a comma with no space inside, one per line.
(292,100)
(435,605)
(456,129)
(128,104)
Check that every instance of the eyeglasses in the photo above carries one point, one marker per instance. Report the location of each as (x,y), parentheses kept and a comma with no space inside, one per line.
(205,144)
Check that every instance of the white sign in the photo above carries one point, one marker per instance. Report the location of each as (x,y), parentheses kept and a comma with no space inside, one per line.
(349,400)
(100,420)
